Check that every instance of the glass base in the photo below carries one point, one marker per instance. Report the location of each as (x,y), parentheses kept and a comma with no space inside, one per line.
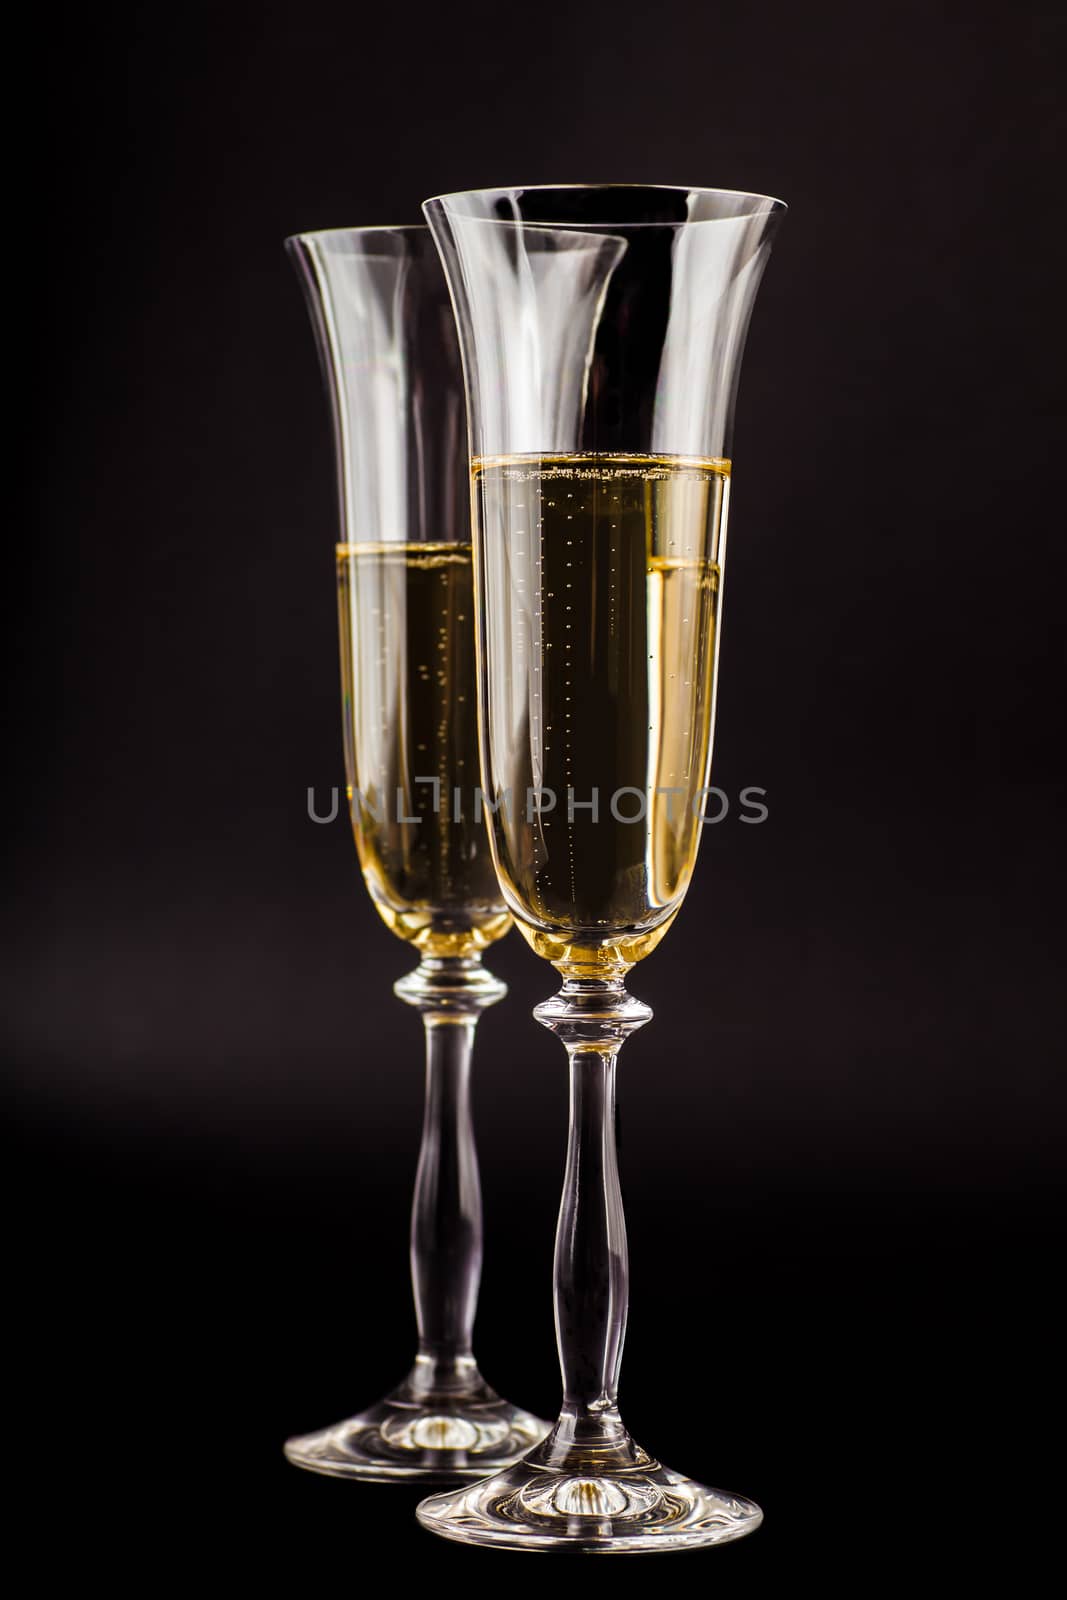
(435,1437)
(626,1512)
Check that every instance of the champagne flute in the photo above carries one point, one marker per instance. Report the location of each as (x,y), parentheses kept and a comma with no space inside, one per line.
(601,331)
(387,342)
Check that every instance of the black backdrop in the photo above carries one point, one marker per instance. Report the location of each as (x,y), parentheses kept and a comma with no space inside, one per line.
(840,1150)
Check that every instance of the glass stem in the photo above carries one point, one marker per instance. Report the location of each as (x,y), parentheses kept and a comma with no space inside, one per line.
(591,1266)
(593,1018)
(446,1212)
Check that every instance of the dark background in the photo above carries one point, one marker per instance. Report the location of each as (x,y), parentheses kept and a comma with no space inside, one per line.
(841,1151)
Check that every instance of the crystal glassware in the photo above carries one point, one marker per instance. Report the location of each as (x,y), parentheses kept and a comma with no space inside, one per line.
(387,342)
(601,331)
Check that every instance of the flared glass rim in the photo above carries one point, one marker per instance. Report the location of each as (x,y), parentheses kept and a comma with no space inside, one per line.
(762,204)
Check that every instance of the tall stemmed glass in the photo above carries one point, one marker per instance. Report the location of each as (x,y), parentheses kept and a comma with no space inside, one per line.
(387,340)
(601,331)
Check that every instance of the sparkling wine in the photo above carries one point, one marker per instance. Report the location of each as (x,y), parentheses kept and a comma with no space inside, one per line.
(599,610)
(411,741)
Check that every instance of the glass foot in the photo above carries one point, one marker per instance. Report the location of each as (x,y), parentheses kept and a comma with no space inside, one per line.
(533,1507)
(422,1437)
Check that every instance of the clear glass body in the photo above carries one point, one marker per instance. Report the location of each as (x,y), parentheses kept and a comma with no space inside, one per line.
(601,331)
(404,583)
(404,564)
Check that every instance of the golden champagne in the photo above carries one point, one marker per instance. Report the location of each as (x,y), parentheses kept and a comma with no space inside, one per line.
(411,741)
(599,610)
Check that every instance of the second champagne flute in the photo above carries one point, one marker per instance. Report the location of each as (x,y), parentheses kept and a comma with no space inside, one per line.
(405,591)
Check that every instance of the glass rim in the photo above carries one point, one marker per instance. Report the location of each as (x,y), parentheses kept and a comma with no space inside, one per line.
(374,227)
(763,204)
